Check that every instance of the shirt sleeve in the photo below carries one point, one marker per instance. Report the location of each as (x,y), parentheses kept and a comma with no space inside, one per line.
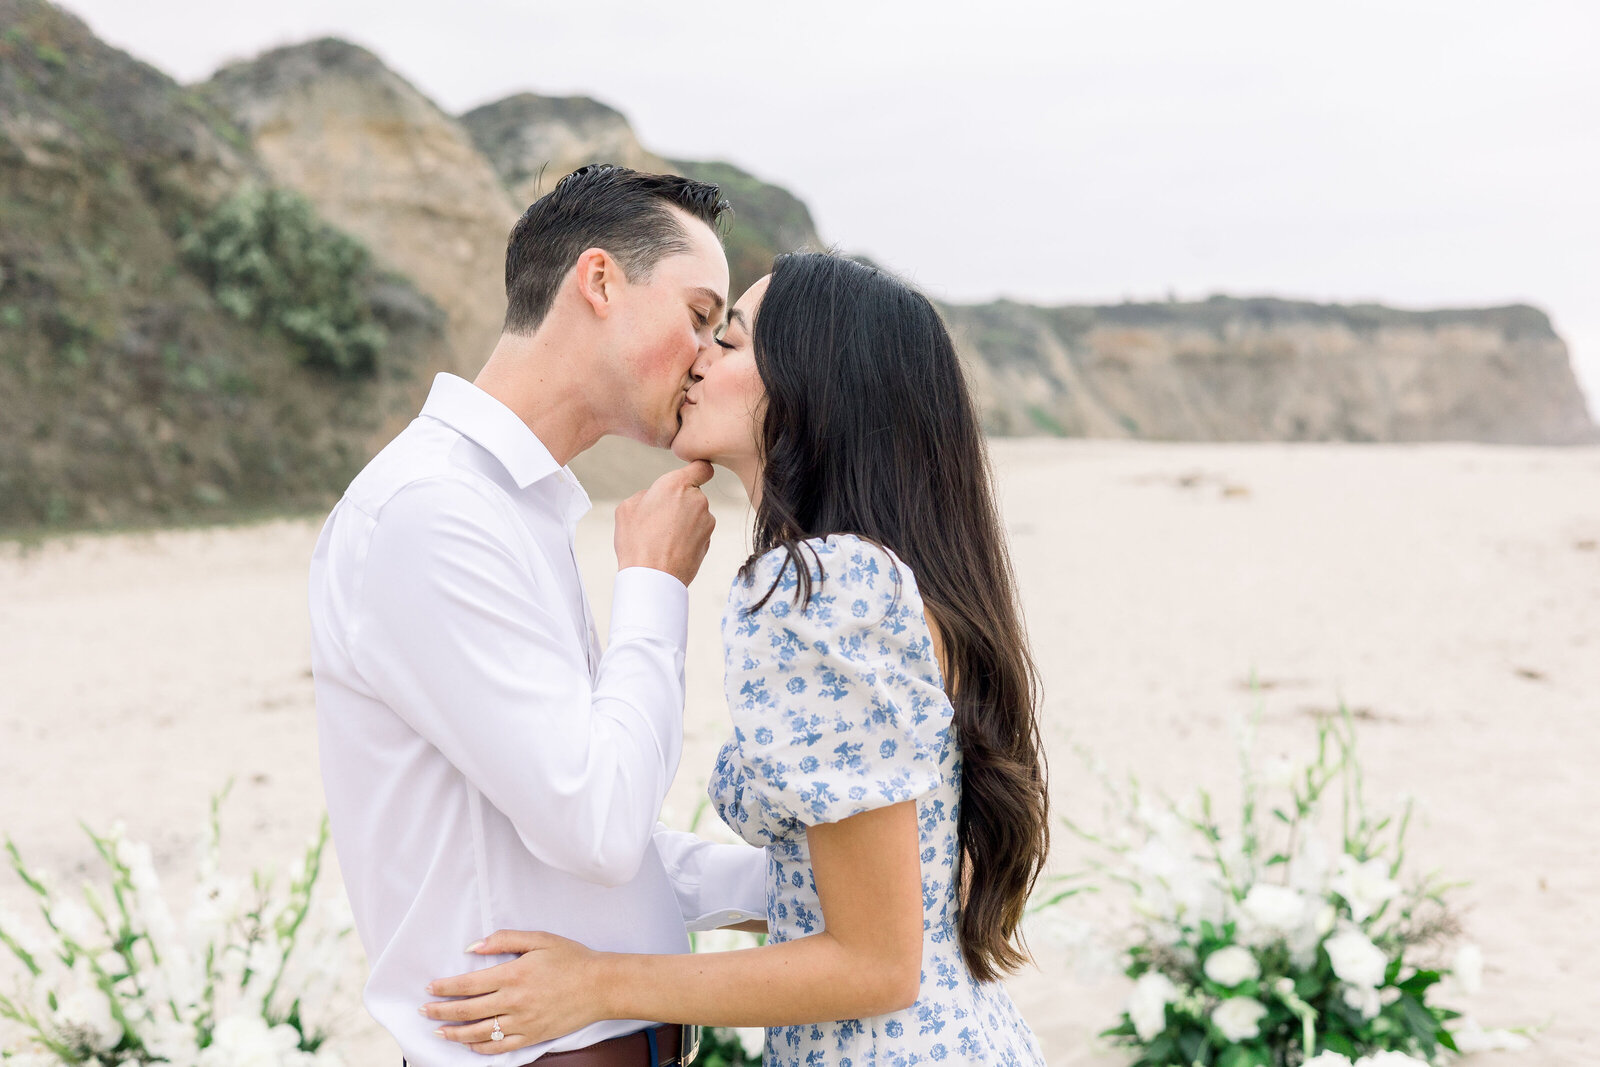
(451,632)
(838,708)
(717,885)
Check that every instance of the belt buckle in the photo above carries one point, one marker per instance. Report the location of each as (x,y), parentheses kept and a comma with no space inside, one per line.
(689,1044)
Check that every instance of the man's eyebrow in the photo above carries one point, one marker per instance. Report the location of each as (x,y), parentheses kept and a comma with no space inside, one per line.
(711,295)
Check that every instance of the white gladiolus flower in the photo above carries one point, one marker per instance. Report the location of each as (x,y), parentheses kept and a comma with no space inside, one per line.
(1275,908)
(1468,968)
(1311,866)
(1366,887)
(1231,966)
(1147,1006)
(25,934)
(1356,959)
(1279,772)
(33,1059)
(1239,1018)
(76,923)
(1328,1059)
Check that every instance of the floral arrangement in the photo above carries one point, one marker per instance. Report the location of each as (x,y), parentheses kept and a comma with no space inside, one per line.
(1262,946)
(109,978)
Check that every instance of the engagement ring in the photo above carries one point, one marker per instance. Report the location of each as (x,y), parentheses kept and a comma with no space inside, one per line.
(496,1035)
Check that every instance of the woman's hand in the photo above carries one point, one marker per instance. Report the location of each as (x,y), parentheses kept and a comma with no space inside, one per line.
(551,989)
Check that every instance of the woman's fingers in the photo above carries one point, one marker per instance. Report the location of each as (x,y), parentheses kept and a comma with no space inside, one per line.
(479,1036)
(471,984)
(507,942)
(463,1011)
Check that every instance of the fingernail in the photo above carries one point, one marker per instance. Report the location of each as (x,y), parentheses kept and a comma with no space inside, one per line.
(429,990)
(475,946)
(422,1011)
(440,1031)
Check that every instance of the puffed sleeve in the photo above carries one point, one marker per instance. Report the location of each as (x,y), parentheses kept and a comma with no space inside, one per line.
(837,709)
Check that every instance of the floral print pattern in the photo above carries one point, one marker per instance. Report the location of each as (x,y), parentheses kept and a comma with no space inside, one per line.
(839,709)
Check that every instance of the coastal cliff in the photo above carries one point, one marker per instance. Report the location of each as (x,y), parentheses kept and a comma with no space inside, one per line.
(1266,369)
(174,342)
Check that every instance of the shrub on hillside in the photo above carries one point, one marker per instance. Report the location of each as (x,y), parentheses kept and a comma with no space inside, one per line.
(271,262)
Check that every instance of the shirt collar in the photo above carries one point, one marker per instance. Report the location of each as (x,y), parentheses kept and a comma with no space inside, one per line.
(473,413)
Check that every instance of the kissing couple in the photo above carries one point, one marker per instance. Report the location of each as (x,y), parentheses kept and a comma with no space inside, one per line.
(494,777)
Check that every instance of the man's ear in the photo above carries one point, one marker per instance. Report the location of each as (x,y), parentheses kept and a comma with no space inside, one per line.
(597,276)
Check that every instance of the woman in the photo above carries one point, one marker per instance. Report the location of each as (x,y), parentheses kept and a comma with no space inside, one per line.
(886,744)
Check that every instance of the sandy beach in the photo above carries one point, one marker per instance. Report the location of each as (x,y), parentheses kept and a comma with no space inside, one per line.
(1448,593)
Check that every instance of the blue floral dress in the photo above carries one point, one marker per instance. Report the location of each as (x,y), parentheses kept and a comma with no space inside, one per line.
(838,710)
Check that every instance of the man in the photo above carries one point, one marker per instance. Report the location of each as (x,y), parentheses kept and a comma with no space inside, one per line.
(486,766)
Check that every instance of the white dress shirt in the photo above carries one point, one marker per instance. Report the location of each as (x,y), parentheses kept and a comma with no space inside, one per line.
(485,766)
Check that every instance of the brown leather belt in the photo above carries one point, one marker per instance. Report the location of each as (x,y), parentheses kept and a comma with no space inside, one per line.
(676,1046)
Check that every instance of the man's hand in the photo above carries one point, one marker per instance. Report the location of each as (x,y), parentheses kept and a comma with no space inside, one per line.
(667,527)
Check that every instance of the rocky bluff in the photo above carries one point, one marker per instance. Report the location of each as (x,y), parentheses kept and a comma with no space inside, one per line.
(138,380)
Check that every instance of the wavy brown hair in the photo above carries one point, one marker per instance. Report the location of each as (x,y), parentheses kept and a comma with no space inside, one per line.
(870,429)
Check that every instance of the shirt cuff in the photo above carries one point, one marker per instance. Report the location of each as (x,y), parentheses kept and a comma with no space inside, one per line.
(653,601)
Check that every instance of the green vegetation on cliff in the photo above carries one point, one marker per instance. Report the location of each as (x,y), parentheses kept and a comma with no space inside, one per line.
(767,220)
(128,391)
(274,265)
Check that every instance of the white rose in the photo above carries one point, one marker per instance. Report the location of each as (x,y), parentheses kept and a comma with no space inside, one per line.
(1356,959)
(1366,887)
(1239,1018)
(1364,1000)
(753,1039)
(1468,968)
(1232,965)
(173,1042)
(1390,1059)
(245,1040)
(87,1011)
(1471,1037)
(1147,1006)
(1275,908)
(1328,1059)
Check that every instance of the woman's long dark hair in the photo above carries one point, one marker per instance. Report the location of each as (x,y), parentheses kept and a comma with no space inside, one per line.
(869,429)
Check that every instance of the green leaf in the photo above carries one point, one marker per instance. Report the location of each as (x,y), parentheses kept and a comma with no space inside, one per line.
(1419,982)
(1339,1043)
(1252,1055)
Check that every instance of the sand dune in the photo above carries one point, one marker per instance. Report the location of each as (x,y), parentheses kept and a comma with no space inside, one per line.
(1450,591)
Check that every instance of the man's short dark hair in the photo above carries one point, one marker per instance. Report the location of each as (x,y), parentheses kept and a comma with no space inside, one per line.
(626,212)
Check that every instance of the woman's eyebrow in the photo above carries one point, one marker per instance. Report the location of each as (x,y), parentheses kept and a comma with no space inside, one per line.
(735,315)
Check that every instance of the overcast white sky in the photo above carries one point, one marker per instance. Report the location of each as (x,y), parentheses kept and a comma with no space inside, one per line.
(1418,152)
